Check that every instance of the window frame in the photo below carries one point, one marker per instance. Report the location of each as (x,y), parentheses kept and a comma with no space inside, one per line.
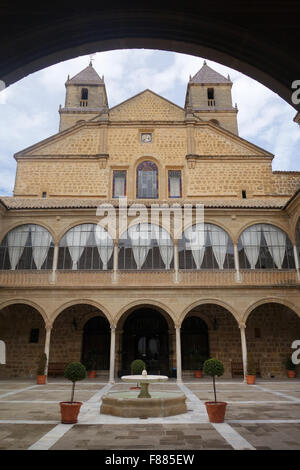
(144,163)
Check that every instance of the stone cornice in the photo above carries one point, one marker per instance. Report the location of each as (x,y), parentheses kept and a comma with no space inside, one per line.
(102,158)
(192,159)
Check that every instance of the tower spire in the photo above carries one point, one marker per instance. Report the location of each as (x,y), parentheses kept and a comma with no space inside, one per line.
(209,98)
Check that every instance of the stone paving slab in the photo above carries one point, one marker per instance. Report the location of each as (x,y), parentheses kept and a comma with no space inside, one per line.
(158,437)
(48,395)
(295,394)
(21,436)
(270,436)
(5,387)
(263,411)
(30,411)
(189,431)
(239,396)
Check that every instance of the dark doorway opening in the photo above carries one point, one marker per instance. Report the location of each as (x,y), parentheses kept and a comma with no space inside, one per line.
(194,339)
(145,336)
(96,339)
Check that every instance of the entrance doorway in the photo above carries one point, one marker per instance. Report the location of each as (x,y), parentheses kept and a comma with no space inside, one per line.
(145,337)
(96,340)
(194,339)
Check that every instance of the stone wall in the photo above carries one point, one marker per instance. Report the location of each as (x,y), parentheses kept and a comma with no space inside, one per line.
(65,177)
(22,357)
(218,177)
(278,327)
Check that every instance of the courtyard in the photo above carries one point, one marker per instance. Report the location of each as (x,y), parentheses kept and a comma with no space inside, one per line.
(264,416)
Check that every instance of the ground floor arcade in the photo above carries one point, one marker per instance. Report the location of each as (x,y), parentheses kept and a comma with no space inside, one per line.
(167,330)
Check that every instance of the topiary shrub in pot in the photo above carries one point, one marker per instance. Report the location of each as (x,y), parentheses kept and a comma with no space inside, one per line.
(91,364)
(251,370)
(70,409)
(290,368)
(215,409)
(137,366)
(40,373)
(198,361)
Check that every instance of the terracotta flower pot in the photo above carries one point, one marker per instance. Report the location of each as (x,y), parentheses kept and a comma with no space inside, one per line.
(199,374)
(216,411)
(250,379)
(92,374)
(291,374)
(69,411)
(41,379)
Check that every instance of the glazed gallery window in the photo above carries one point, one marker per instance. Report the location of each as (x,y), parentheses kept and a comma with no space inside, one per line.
(145,246)
(264,246)
(174,184)
(147,181)
(205,247)
(86,246)
(119,183)
(27,247)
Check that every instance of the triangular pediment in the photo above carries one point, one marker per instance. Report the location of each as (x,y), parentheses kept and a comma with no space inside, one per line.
(147,106)
(212,140)
(81,139)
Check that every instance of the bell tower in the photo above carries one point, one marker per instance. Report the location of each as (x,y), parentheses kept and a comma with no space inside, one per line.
(85,98)
(208,96)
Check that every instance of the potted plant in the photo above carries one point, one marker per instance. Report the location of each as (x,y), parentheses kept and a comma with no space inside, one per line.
(290,368)
(215,409)
(40,373)
(137,366)
(198,360)
(251,370)
(91,364)
(70,409)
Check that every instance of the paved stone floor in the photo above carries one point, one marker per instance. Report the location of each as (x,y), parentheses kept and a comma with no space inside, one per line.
(261,416)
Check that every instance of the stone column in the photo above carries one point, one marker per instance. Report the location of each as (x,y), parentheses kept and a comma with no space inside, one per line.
(178,355)
(242,327)
(176,262)
(115,265)
(238,276)
(54,264)
(112,354)
(47,346)
(296,257)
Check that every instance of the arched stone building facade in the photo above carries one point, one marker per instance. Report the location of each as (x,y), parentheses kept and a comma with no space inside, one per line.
(148,231)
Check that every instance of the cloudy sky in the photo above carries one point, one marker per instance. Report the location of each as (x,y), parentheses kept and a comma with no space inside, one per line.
(29,108)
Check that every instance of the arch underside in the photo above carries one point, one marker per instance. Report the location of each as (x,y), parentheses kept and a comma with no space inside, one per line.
(260,41)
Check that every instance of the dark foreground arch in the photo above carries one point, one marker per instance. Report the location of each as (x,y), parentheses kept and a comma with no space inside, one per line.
(256,37)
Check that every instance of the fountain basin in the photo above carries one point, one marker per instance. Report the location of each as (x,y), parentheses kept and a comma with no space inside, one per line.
(127,405)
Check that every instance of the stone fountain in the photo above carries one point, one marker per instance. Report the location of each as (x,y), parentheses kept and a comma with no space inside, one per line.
(134,404)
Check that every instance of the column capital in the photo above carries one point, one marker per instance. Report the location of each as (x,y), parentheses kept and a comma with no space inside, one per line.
(113,327)
(48,326)
(242,325)
(177,326)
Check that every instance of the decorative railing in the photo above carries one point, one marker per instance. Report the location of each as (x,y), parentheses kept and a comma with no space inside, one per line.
(83,103)
(211,103)
(268,277)
(188,278)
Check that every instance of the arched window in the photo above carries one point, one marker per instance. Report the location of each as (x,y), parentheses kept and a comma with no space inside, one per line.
(86,246)
(147,181)
(146,246)
(84,93)
(264,246)
(205,247)
(27,247)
